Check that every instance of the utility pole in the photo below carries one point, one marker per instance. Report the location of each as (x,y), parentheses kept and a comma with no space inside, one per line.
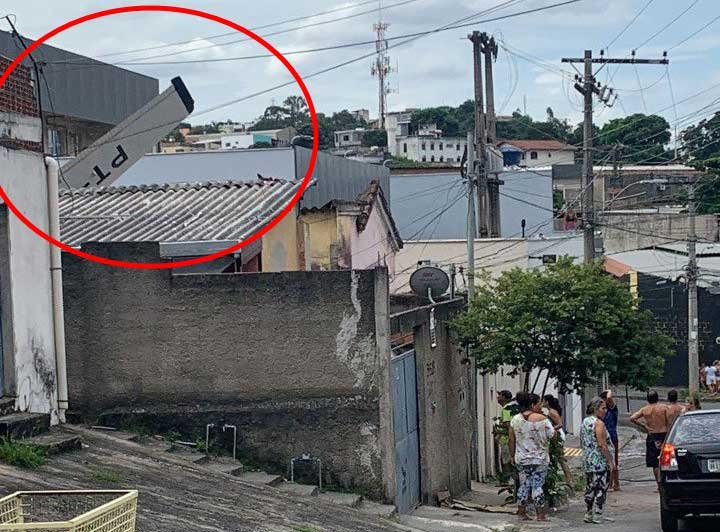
(477,458)
(471,176)
(489,49)
(587,86)
(480,138)
(692,275)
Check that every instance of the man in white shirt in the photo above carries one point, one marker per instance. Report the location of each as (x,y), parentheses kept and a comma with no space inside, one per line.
(711,378)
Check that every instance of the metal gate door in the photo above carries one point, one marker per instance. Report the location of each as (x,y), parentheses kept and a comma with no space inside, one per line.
(407,444)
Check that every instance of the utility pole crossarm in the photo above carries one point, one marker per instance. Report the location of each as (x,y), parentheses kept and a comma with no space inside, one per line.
(608,61)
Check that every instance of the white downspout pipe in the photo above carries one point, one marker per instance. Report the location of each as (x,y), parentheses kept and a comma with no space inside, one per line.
(53,171)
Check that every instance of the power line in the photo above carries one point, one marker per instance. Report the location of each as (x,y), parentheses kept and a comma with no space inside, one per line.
(666,26)
(252,28)
(452,25)
(686,39)
(279,32)
(622,32)
(409,36)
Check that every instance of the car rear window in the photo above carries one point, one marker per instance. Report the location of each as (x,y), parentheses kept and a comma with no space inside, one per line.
(703,428)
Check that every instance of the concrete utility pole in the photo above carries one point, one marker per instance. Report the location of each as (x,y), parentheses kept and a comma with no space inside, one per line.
(692,275)
(471,217)
(480,139)
(490,51)
(587,88)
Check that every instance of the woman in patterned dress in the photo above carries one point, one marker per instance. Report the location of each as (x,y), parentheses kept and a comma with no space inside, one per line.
(530,433)
(598,460)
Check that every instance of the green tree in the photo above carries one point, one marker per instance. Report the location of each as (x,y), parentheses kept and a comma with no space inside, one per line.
(574,321)
(375,137)
(642,138)
(297,110)
(326,128)
(701,150)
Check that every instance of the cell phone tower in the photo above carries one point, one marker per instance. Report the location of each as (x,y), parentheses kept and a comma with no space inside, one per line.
(381,66)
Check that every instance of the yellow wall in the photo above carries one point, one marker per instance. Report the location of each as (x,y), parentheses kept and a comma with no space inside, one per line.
(280,250)
(320,233)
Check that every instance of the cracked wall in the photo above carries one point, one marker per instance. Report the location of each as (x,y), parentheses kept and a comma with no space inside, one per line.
(301,344)
(25,287)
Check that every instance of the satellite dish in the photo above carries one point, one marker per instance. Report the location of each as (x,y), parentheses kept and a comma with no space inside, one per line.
(429,280)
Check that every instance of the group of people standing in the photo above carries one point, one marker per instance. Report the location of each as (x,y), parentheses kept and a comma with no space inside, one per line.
(710,377)
(534,422)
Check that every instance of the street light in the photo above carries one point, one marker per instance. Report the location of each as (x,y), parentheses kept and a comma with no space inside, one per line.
(641,182)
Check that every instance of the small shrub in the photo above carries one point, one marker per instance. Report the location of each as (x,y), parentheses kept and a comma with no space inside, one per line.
(21,454)
(105,476)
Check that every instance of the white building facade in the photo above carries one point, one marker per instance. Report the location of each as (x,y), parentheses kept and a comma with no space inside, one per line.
(429,149)
(27,333)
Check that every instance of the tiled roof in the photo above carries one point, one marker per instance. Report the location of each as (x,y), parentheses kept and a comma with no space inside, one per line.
(539,145)
(367,200)
(178,212)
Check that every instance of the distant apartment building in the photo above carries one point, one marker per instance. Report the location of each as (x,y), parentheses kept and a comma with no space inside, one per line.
(529,153)
(628,186)
(397,125)
(80,104)
(432,149)
(428,145)
(350,138)
(361,114)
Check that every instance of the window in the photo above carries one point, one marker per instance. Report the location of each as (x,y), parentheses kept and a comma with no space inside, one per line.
(404,147)
(423,146)
(533,155)
(346,137)
(549,155)
(432,158)
(457,147)
(522,156)
(442,159)
(458,159)
(440,147)
(227,144)
(432,146)
(424,159)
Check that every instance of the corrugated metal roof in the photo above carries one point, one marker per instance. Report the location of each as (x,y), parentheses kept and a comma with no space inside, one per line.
(669,264)
(178,212)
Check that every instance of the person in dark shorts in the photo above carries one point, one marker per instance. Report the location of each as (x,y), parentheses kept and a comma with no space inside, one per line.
(611,422)
(652,418)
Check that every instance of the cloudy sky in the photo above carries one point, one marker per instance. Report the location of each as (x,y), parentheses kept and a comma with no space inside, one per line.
(433,70)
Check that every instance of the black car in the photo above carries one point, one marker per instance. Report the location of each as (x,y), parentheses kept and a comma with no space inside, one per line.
(690,468)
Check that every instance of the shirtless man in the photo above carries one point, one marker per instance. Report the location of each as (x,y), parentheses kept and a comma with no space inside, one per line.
(654,422)
(674,409)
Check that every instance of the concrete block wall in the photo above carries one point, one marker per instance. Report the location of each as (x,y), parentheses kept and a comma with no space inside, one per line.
(292,358)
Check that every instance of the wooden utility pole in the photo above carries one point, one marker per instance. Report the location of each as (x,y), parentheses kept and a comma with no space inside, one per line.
(587,86)
(480,139)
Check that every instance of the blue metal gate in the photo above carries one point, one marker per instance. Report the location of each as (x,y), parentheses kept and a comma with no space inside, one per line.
(407,443)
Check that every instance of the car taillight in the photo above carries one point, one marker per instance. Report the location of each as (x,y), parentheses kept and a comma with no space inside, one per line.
(668,460)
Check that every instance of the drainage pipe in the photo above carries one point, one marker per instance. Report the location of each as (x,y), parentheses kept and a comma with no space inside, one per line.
(53,171)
